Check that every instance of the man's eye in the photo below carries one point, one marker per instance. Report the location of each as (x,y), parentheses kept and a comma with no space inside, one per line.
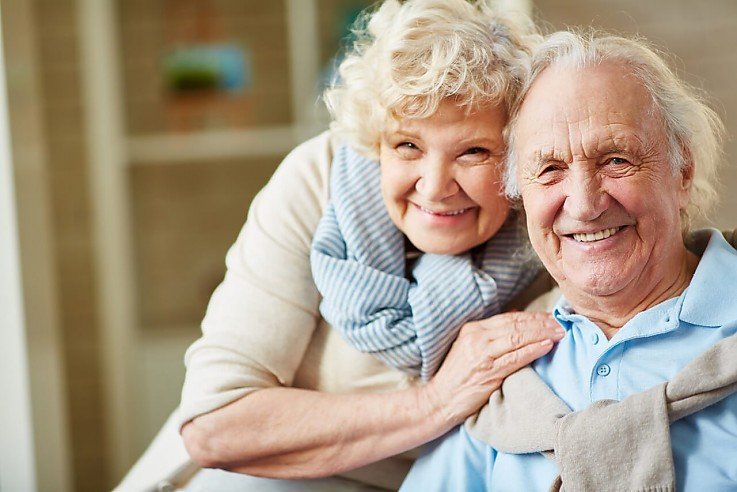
(549,169)
(549,173)
(618,161)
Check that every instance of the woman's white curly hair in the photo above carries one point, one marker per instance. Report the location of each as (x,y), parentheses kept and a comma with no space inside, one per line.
(410,56)
(695,132)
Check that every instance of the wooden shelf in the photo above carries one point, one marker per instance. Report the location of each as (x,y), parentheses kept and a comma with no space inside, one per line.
(211,145)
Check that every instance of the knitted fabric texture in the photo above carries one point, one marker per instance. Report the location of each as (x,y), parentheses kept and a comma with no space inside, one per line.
(359,266)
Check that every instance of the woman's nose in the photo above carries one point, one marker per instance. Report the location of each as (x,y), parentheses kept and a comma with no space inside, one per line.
(436,181)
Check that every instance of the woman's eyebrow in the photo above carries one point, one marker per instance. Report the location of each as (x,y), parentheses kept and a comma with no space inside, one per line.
(401,132)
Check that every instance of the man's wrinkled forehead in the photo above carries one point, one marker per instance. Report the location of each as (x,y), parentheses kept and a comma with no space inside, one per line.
(585,110)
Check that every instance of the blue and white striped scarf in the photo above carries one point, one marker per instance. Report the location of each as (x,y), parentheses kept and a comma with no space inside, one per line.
(358,263)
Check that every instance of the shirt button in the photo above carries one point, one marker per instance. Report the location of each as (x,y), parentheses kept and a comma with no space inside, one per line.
(595,338)
(603,370)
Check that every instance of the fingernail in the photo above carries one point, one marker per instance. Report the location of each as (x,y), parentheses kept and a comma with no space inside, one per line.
(545,343)
(560,331)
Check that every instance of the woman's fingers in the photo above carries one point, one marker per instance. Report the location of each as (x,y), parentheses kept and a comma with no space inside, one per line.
(486,352)
(509,332)
(517,359)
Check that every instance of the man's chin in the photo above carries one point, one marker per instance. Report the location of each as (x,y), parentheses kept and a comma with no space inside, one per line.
(597,284)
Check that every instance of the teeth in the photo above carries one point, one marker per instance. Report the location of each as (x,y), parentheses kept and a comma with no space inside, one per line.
(448,214)
(597,236)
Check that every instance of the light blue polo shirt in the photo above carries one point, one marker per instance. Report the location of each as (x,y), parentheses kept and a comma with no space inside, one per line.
(585,367)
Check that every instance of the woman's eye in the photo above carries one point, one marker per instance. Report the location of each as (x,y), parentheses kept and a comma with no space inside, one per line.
(407,150)
(475,155)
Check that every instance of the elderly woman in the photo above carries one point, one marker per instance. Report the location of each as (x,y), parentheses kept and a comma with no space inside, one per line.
(415,239)
(612,156)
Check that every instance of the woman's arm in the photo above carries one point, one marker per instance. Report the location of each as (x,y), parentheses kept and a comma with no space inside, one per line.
(237,407)
(262,317)
(294,433)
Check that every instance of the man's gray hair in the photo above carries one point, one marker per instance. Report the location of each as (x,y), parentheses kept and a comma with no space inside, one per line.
(695,132)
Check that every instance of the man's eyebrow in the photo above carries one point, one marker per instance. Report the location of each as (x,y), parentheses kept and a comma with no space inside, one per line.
(541,157)
(608,144)
(613,149)
(615,145)
(619,143)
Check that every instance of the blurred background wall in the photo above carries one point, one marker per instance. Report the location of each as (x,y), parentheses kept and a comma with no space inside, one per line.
(142,130)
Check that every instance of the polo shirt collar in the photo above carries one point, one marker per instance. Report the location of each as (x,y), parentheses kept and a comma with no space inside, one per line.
(711,297)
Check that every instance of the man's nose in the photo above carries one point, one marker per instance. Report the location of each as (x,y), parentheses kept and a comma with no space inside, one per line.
(585,198)
(436,181)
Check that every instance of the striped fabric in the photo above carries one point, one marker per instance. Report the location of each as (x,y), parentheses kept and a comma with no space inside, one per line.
(407,321)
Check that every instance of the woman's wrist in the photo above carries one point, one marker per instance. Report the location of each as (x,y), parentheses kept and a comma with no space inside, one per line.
(435,408)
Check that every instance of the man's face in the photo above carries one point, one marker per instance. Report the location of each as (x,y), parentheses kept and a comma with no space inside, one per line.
(603,206)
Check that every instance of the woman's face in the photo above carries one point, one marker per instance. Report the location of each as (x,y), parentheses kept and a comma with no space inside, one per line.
(441,177)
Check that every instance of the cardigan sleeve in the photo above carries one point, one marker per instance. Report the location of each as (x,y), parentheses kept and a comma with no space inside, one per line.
(261,318)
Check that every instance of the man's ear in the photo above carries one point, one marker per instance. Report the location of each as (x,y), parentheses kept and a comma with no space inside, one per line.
(686,174)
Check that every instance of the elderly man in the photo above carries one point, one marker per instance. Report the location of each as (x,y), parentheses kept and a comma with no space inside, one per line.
(611,155)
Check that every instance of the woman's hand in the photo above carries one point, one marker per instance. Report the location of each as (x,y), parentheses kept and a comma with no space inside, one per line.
(486,352)
(316,434)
